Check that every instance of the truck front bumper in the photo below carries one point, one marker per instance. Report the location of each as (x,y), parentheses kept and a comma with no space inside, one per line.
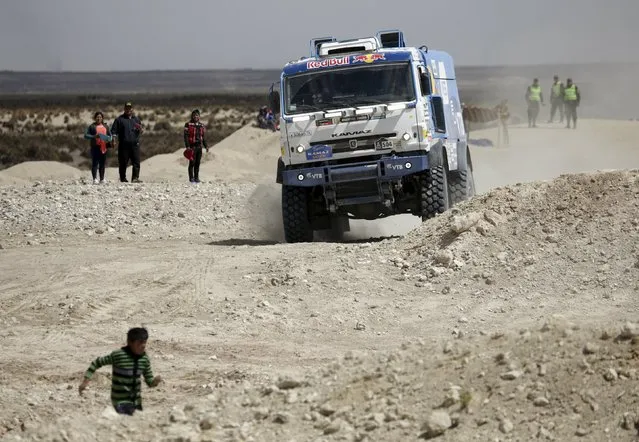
(385,169)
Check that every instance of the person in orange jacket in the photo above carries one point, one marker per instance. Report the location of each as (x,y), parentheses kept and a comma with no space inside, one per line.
(101,139)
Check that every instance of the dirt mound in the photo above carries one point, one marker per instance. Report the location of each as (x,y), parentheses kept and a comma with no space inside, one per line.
(571,237)
(250,154)
(31,171)
(64,212)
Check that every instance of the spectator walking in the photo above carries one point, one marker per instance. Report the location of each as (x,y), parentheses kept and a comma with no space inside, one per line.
(534,98)
(556,99)
(572,99)
(504,117)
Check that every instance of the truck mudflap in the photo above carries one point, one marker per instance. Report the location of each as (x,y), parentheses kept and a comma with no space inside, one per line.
(385,169)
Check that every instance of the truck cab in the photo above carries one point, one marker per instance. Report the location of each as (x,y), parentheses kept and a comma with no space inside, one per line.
(369,128)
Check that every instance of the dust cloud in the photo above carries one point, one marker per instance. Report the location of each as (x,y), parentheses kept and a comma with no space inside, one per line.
(264,210)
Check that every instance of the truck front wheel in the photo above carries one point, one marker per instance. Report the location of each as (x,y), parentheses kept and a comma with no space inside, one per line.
(461,185)
(434,196)
(295,214)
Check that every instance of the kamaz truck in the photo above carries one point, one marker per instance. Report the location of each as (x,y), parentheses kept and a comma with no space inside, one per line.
(369,128)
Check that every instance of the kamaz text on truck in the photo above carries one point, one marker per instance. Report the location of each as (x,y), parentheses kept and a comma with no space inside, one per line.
(369,128)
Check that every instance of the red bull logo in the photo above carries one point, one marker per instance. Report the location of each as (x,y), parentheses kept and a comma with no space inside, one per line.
(368,58)
(327,63)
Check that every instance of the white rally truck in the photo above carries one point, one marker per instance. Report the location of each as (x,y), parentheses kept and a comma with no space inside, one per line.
(370,128)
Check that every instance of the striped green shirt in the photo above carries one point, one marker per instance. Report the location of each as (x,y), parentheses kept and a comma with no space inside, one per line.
(127,367)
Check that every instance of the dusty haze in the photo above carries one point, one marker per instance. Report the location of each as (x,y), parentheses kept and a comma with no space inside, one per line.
(165,34)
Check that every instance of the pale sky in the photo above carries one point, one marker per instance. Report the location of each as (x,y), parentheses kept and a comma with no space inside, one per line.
(87,35)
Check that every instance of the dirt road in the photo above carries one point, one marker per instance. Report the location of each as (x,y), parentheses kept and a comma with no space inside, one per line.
(488,307)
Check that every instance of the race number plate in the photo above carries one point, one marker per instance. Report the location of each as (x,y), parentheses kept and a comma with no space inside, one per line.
(383,144)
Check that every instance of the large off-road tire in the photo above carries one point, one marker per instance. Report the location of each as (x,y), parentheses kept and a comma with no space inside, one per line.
(434,196)
(461,185)
(297,226)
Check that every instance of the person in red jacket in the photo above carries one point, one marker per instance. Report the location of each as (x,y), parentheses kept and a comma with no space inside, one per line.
(194,138)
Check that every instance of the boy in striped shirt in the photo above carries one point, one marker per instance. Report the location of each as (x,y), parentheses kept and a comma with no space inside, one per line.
(128,364)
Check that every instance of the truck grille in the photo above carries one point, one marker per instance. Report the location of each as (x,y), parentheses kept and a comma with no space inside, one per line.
(354,173)
(356,189)
(363,143)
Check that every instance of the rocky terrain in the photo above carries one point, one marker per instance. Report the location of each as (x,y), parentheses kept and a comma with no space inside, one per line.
(511,317)
(557,381)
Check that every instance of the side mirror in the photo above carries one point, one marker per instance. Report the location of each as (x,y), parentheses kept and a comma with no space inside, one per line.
(424,83)
(274,101)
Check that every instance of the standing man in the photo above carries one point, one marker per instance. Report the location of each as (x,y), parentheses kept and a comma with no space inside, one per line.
(504,116)
(194,139)
(557,99)
(127,129)
(534,98)
(572,98)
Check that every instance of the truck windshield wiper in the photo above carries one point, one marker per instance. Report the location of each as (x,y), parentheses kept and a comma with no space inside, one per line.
(355,102)
(307,108)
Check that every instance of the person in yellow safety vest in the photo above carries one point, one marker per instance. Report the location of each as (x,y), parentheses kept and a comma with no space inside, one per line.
(557,99)
(534,98)
(572,98)
(504,116)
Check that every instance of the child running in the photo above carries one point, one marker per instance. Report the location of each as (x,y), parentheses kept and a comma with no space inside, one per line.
(128,364)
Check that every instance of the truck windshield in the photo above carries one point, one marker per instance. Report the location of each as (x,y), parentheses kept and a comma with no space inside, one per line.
(348,87)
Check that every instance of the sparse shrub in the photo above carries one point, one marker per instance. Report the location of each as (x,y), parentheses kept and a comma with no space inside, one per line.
(65,157)
(466,397)
(77,128)
(64,142)
(20,115)
(163,126)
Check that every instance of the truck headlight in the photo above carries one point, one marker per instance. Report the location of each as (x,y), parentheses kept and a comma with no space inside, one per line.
(406,136)
(300,177)
(300,148)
